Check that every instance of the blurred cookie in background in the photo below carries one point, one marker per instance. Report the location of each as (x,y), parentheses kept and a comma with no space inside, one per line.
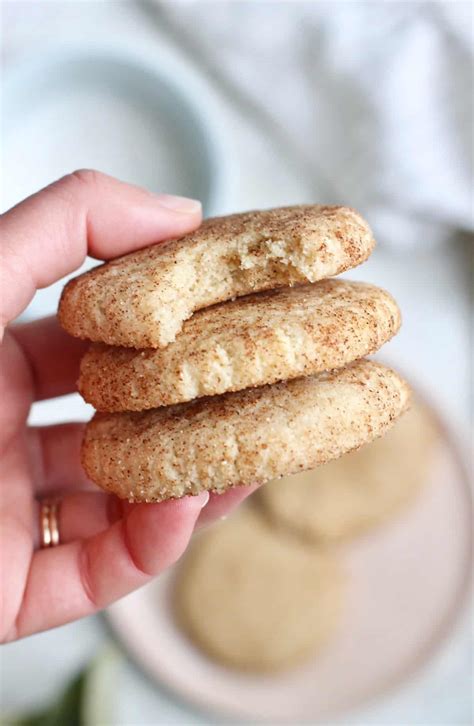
(359,490)
(256,599)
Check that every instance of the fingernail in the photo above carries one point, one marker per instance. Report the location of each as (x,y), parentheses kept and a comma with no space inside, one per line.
(204,499)
(179,204)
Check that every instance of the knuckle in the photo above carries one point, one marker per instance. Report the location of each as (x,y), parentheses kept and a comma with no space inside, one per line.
(70,186)
(87,177)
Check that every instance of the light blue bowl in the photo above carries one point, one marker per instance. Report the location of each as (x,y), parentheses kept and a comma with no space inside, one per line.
(144,93)
(148,118)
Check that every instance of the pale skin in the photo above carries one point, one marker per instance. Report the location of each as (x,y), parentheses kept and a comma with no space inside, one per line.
(108,547)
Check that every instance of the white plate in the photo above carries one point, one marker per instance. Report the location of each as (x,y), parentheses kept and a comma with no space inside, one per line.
(408,583)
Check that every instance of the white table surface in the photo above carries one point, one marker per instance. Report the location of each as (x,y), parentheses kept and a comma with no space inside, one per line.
(432,348)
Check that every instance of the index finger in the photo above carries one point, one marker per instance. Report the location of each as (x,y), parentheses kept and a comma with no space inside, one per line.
(49,234)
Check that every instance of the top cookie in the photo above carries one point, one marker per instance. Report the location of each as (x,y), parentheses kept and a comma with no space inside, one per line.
(141,300)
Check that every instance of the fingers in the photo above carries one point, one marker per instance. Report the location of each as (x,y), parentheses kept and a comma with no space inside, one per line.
(55,453)
(52,354)
(49,234)
(73,580)
(83,514)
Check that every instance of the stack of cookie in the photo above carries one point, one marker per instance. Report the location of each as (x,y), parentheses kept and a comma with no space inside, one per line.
(240,316)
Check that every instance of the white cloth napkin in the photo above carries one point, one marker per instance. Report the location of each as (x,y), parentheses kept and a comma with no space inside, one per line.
(371,101)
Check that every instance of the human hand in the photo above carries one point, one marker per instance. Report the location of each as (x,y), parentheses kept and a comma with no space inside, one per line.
(107,547)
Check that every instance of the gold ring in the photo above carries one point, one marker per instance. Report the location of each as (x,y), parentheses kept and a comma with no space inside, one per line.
(49,522)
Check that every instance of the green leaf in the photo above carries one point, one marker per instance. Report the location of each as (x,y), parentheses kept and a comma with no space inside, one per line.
(65,712)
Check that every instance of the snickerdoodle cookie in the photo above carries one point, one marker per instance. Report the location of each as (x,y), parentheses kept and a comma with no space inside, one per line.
(141,300)
(251,341)
(244,437)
